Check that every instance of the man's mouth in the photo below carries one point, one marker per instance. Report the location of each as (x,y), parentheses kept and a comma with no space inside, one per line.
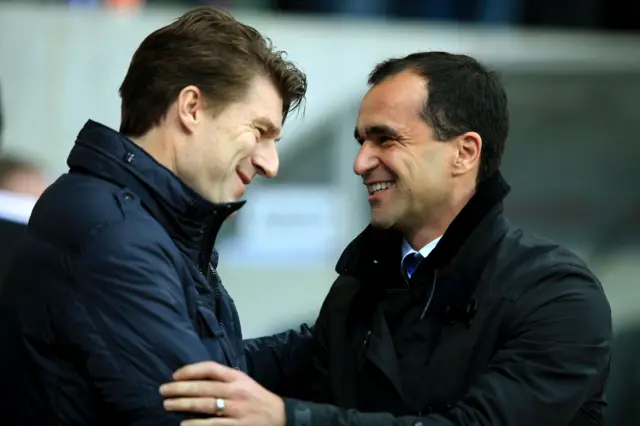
(376,187)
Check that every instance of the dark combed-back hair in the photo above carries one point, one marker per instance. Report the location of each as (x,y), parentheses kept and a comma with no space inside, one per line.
(208,48)
(463,96)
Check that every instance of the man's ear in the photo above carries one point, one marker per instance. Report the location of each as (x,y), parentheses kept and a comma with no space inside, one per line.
(190,107)
(468,153)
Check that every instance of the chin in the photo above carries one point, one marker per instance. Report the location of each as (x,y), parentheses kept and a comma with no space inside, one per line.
(230,196)
(381,222)
(235,198)
(382,218)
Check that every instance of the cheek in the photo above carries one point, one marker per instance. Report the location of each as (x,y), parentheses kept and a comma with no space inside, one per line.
(229,151)
(244,146)
(406,166)
(436,160)
(420,172)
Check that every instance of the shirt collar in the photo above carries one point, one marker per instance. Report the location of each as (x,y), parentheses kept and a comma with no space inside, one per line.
(424,251)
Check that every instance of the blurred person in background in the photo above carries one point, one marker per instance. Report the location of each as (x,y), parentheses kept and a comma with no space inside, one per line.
(15,209)
(21,176)
(443,312)
(117,286)
(21,182)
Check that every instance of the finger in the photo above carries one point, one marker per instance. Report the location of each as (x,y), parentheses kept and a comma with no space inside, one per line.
(206,370)
(200,405)
(213,421)
(196,388)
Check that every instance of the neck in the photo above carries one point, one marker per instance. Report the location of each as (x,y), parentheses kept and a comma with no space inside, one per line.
(156,142)
(438,221)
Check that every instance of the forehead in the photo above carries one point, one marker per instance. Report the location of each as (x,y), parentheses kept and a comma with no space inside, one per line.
(262,100)
(396,102)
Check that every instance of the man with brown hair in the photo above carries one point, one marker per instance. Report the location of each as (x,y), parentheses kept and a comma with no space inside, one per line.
(117,286)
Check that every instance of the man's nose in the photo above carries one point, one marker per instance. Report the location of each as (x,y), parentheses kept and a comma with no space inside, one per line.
(266,160)
(366,159)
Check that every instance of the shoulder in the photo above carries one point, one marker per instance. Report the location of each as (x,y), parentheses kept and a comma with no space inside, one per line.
(525,260)
(79,212)
(548,283)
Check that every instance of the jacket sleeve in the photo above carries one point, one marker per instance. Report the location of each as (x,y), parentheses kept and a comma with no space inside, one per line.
(277,362)
(555,353)
(138,330)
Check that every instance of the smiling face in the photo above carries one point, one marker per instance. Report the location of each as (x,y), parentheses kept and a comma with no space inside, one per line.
(408,173)
(224,151)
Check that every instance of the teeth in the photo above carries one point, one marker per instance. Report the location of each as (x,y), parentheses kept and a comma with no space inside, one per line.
(379,186)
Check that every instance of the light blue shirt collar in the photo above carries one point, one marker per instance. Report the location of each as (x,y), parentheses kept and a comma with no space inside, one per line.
(424,251)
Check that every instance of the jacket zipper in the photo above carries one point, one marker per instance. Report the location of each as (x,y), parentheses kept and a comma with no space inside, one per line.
(432,291)
(216,292)
(208,271)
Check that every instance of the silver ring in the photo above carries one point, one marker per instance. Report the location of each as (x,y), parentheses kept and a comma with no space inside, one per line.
(219,406)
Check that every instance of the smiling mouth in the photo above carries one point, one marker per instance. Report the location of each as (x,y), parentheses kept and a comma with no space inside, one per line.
(376,187)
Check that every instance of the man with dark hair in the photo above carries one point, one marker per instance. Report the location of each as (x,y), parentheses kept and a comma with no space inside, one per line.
(117,286)
(443,313)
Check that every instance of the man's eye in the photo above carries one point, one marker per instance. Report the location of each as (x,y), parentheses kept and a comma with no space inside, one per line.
(261,133)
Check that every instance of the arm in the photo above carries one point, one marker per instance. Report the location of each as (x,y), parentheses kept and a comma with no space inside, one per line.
(556,352)
(277,361)
(139,329)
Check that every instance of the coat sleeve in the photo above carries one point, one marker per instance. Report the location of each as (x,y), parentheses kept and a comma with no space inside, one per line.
(556,352)
(277,362)
(138,330)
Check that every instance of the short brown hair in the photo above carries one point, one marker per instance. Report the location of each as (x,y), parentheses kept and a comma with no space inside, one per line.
(206,47)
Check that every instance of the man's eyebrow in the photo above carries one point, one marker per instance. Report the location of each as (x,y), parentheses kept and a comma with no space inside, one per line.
(376,130)
(271,130)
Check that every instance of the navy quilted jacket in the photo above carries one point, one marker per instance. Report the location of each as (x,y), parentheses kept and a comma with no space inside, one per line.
(116,289)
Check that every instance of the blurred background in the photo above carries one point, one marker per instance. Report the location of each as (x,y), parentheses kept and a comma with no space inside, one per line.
(572,71)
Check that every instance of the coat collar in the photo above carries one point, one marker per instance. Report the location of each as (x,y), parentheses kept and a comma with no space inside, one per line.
(192,221)
(374,255)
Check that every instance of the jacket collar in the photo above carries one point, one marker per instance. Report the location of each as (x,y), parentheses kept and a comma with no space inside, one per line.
(192,221)
(374,255)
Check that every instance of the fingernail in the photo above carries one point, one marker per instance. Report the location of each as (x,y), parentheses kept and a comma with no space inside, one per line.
(168,404)
(163,389)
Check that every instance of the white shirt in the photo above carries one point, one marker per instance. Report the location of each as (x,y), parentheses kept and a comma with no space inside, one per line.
(16,207)
(424,251)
